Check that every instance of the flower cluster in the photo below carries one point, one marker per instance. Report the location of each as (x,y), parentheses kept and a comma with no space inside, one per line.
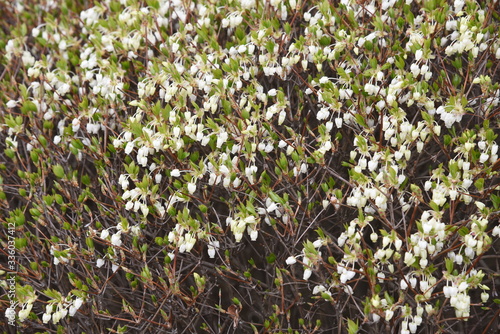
(339,151)
(56,310)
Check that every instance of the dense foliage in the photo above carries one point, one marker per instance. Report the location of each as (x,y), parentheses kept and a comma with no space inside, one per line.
(250,166)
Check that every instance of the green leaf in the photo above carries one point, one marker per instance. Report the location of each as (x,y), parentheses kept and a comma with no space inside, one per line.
(454,169)
(21,243)
(434,206)
(328,97)
(490,135)
(85,180)
(58,171)
(10,153)
(53,294)
(360,119)
(271,258)
(449,265)
(48,199)
(90,242)
(326,296)
(479,184)
(496,201)
(276,198)
(325,40)
(463,231)
(352,327)
(27,108)
(34,156)
(456,80)
(447,140)
(342,73)
(270,46)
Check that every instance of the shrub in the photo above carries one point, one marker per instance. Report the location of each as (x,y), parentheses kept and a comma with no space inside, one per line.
(250,166)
